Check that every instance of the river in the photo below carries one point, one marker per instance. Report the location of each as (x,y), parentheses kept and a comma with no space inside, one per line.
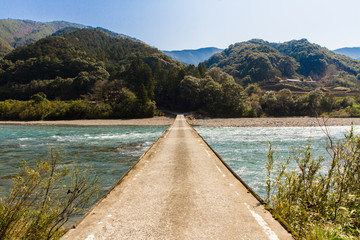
(111,150)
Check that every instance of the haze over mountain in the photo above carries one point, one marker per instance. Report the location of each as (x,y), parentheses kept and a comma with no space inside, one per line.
(194,56)
(353,52)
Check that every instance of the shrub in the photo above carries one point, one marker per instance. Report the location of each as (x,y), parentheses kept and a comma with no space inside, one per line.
(43,199)
(317,197)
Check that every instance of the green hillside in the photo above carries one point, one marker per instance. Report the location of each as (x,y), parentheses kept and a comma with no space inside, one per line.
(16,33)
(258,61)
(103,76)
(66,59)
(249,63)
(87,73)
(96,44)
(315,60)
(117,35)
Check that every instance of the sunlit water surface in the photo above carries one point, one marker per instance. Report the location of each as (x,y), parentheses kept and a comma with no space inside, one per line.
(245,149)
(112,150)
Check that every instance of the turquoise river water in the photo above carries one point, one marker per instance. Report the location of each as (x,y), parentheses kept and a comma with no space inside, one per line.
(111,150)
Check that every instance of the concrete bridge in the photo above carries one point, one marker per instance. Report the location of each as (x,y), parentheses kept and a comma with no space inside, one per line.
(179,189)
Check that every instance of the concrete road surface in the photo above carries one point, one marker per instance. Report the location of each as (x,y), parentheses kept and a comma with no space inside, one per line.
(179,190)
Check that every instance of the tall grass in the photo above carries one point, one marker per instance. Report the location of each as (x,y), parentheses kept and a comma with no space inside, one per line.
(43,198)
(318,197)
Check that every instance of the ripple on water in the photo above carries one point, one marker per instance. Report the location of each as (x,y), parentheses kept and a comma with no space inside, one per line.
(245,149)
(110,151)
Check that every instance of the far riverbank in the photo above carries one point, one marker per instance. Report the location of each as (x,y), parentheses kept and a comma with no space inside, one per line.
(275,122)
(211,122)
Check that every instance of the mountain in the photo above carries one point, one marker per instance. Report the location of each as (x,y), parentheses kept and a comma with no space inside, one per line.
(193,56)
(17,33)
(117,35)
(353,52)
(69,65)
(251,62)
(261,61)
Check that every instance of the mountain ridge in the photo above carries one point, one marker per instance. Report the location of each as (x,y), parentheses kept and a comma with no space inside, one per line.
(104,76)
(260,61)
(16,32)
(193,56)
(353,52)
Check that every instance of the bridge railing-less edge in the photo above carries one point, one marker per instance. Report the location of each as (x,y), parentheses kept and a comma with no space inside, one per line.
(276,216)
(120,179)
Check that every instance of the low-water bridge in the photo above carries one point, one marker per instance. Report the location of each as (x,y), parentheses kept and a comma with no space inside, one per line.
(179,189)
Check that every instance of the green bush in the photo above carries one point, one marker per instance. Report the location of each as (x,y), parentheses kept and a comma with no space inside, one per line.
(354,110)
(318,197)
(43,198)
(77,109)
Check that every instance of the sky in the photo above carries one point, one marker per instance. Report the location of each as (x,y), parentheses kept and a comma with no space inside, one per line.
(192,24)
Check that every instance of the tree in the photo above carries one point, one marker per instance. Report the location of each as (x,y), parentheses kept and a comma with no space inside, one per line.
(189,93)
(143,94)
(140,74)
(314,100)
(202,69)
(253,89)
(39,97)
(269,103)
(285,103)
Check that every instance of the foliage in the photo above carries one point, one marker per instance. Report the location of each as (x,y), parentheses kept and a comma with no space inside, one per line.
(87,53)
(314,60)
(88,73)
(43,198)
(264,62)
(284,103)
(354,110)
(127,105)
(17,33)
(117,73)
(319,198)
(250,63)
(217,94)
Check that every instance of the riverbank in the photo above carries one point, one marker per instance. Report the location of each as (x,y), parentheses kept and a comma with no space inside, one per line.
(154,121)
(212,122)
(275,122)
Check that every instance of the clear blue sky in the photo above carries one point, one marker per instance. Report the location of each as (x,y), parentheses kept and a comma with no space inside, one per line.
(190,24)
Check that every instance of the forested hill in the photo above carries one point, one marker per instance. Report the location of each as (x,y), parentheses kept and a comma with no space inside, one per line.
(87,73)
(260,61)
(68,66)
(16,33)
(193,56)
(353,52)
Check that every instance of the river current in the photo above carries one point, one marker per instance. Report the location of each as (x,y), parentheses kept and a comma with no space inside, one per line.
(111,150)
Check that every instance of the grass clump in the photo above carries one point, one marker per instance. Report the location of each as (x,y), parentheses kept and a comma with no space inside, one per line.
(43,198)
(319,198)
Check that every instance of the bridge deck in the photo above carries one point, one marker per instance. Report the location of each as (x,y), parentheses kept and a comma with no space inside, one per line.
(179,190)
